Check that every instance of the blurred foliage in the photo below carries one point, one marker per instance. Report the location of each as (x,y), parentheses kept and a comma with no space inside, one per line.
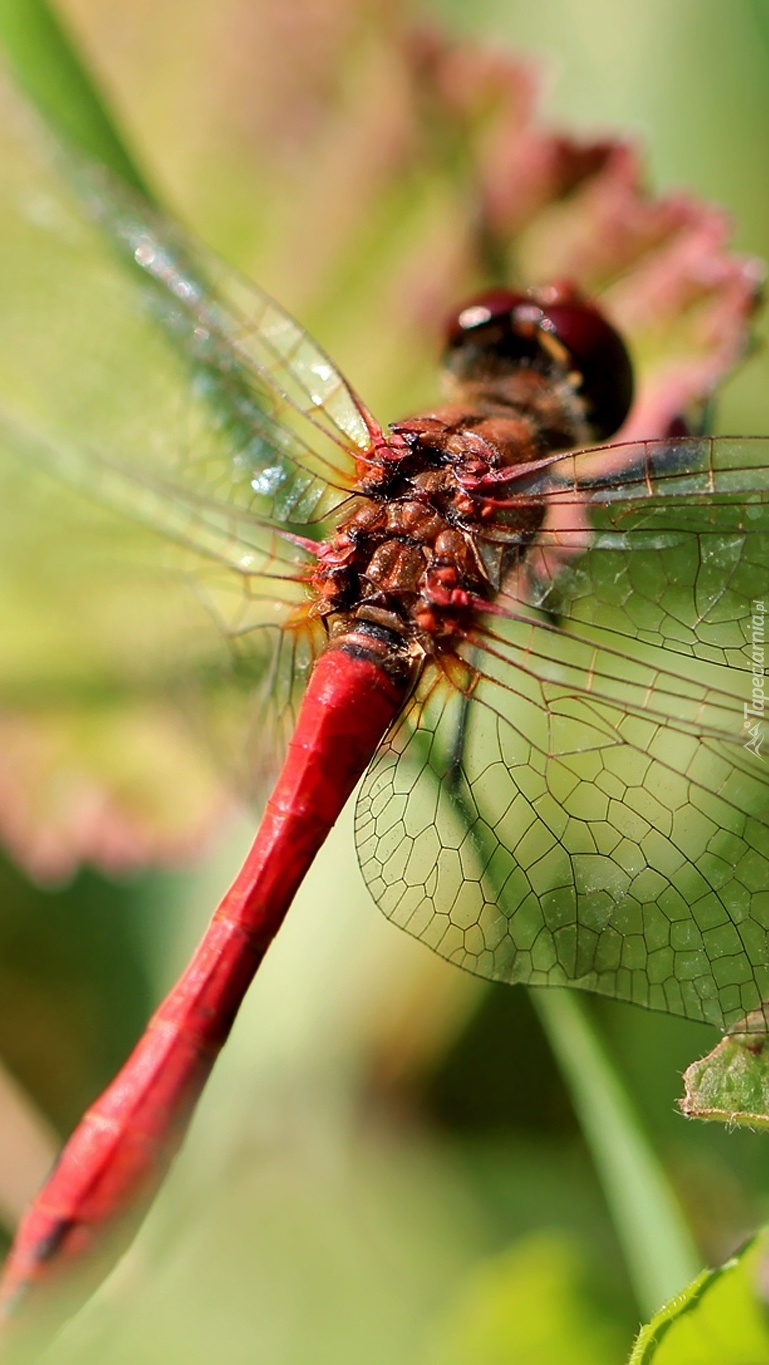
(530,1304)
(51,949)
(382,1133)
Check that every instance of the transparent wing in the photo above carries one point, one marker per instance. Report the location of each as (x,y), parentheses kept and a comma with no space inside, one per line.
(123,338)
(589,807)
(676,532)
(293,421)
(209,435)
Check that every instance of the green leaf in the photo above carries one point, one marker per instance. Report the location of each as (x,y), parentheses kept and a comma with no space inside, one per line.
(720,1319)
(731,1084)
(529,1305)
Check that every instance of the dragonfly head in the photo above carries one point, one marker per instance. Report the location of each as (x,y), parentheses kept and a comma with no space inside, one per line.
(554,330)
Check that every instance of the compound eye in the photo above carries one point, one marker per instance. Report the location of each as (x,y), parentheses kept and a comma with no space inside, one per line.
(554,329)
(494,306)
(600,358)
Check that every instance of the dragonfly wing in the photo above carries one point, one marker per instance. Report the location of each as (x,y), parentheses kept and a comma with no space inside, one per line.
(123,335)
(677,537)
(293,423)
(585,810)
(168,435)
(141,682)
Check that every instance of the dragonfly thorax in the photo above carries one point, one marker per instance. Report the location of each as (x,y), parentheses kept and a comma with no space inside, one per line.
(410,554)
(438,522)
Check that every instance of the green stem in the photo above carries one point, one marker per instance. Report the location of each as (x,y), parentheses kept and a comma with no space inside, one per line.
(47,67)
(661,1255)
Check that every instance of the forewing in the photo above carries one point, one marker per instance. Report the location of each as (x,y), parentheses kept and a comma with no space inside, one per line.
(170,444)
(677,539)
(584,810)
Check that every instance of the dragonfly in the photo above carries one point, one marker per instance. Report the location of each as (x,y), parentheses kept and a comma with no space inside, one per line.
(530,645)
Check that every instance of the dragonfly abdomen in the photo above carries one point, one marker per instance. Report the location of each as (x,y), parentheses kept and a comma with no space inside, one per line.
(110,1169)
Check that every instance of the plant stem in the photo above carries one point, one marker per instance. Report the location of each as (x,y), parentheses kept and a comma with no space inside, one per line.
(47,66)
(659,1250)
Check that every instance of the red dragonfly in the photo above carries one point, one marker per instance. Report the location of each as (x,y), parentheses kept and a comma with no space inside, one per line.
(540,664)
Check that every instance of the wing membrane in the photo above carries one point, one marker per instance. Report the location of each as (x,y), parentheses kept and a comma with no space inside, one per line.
(585,810)
(668,547)
(209,436)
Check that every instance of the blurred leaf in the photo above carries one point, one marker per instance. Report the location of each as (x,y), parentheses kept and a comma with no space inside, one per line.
(527,1306)
(28,1147)
(720,1319)
(76,982)
(731,1084)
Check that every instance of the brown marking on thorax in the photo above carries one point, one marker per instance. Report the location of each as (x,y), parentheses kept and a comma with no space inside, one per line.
(409,556)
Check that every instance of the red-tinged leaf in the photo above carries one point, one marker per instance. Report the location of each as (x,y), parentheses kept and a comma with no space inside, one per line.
(89,787)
